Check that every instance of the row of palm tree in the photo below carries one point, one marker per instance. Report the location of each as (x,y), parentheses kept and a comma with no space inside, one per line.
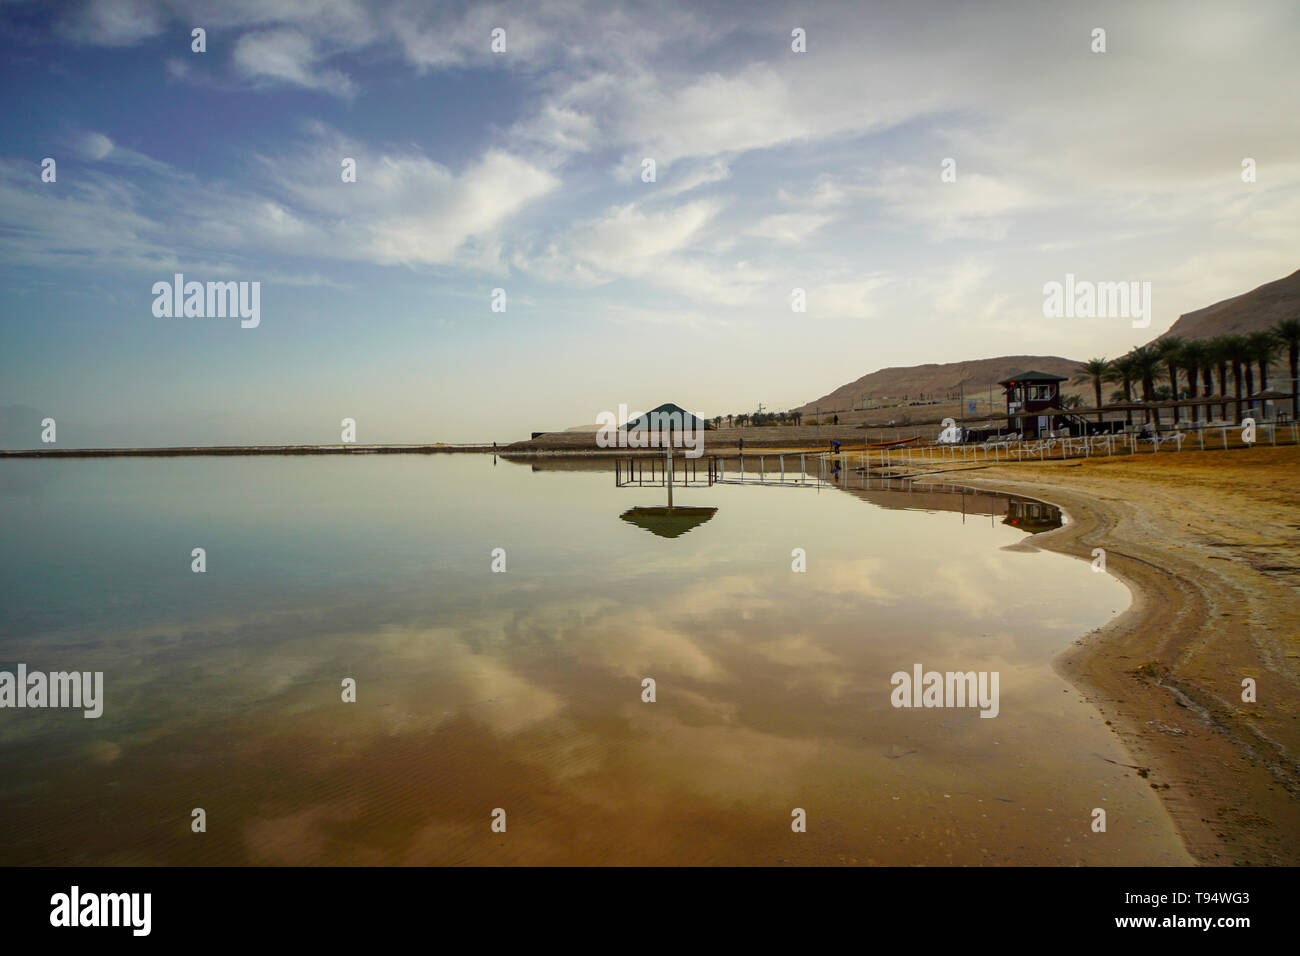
(758,418)
(1197,362)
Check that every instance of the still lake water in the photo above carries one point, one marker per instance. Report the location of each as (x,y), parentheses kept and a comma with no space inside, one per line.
(522,691)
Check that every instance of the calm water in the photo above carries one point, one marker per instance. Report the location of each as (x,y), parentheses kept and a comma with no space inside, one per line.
(478,690)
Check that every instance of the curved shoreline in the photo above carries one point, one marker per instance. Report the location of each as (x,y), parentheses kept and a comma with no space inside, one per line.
(1198,750)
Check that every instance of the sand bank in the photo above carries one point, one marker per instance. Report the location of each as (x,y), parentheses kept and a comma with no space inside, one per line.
(1209,543)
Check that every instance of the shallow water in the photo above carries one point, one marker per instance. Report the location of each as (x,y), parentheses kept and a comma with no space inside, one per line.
(522,690)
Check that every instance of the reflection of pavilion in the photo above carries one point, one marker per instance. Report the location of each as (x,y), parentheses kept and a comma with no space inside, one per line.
(668,522)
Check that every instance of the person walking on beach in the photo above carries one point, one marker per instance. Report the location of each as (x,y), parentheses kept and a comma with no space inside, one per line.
(740,444)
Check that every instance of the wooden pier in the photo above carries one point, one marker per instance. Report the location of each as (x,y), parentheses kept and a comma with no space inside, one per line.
(812,469)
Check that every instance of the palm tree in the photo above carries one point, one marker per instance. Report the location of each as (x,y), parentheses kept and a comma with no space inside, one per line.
(1219,357)
(1205,352)
(1121,370)
(1237,354)
(1170,351)
(1266,347)
(1095,370)
(1259,350)
(1248,369)
(1288,333)
(1192,355)
(1146,360)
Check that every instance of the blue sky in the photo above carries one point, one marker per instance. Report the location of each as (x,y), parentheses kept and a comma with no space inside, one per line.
(522,170)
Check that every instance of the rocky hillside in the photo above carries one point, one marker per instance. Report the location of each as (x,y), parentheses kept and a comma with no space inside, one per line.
(910,382)
(1251,311)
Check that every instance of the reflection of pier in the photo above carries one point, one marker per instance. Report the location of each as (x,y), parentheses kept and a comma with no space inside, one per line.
(792,470)
(654,471)
(669,522)
(775,470)
(882,487)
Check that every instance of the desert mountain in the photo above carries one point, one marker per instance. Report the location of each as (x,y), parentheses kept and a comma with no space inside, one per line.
(1251,311)
(973,377)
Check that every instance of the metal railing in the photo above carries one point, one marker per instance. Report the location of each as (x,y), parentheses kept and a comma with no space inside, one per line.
(1066,446)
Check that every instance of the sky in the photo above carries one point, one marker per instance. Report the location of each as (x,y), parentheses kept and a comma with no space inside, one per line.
(523,170)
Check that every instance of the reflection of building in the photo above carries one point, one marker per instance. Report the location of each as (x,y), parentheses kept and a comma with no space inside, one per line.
(1032,516)
(1033,392)
(902,494)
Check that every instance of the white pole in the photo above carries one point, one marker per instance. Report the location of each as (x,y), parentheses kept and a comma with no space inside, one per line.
(670,471)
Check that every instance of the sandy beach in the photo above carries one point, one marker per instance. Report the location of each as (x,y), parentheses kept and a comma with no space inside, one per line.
(1208,543)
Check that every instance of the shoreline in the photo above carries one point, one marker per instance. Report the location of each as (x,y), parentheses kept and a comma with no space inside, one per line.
(1165,674)
(181,451)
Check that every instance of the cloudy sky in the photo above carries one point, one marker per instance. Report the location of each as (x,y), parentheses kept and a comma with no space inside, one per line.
(522,170)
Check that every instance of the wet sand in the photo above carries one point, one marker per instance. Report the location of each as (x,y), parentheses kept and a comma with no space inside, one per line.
(1209,543)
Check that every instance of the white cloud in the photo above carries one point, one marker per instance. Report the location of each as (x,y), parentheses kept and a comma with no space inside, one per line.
(789,227)
(976,206)
(287,56)
(98,148)
(1094,160)
(855,299)
(628,241)
(114,22)
(957,294)
(403,209)
(453,209)
(558,128)
(710,116)
(684,177)
(693,320)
